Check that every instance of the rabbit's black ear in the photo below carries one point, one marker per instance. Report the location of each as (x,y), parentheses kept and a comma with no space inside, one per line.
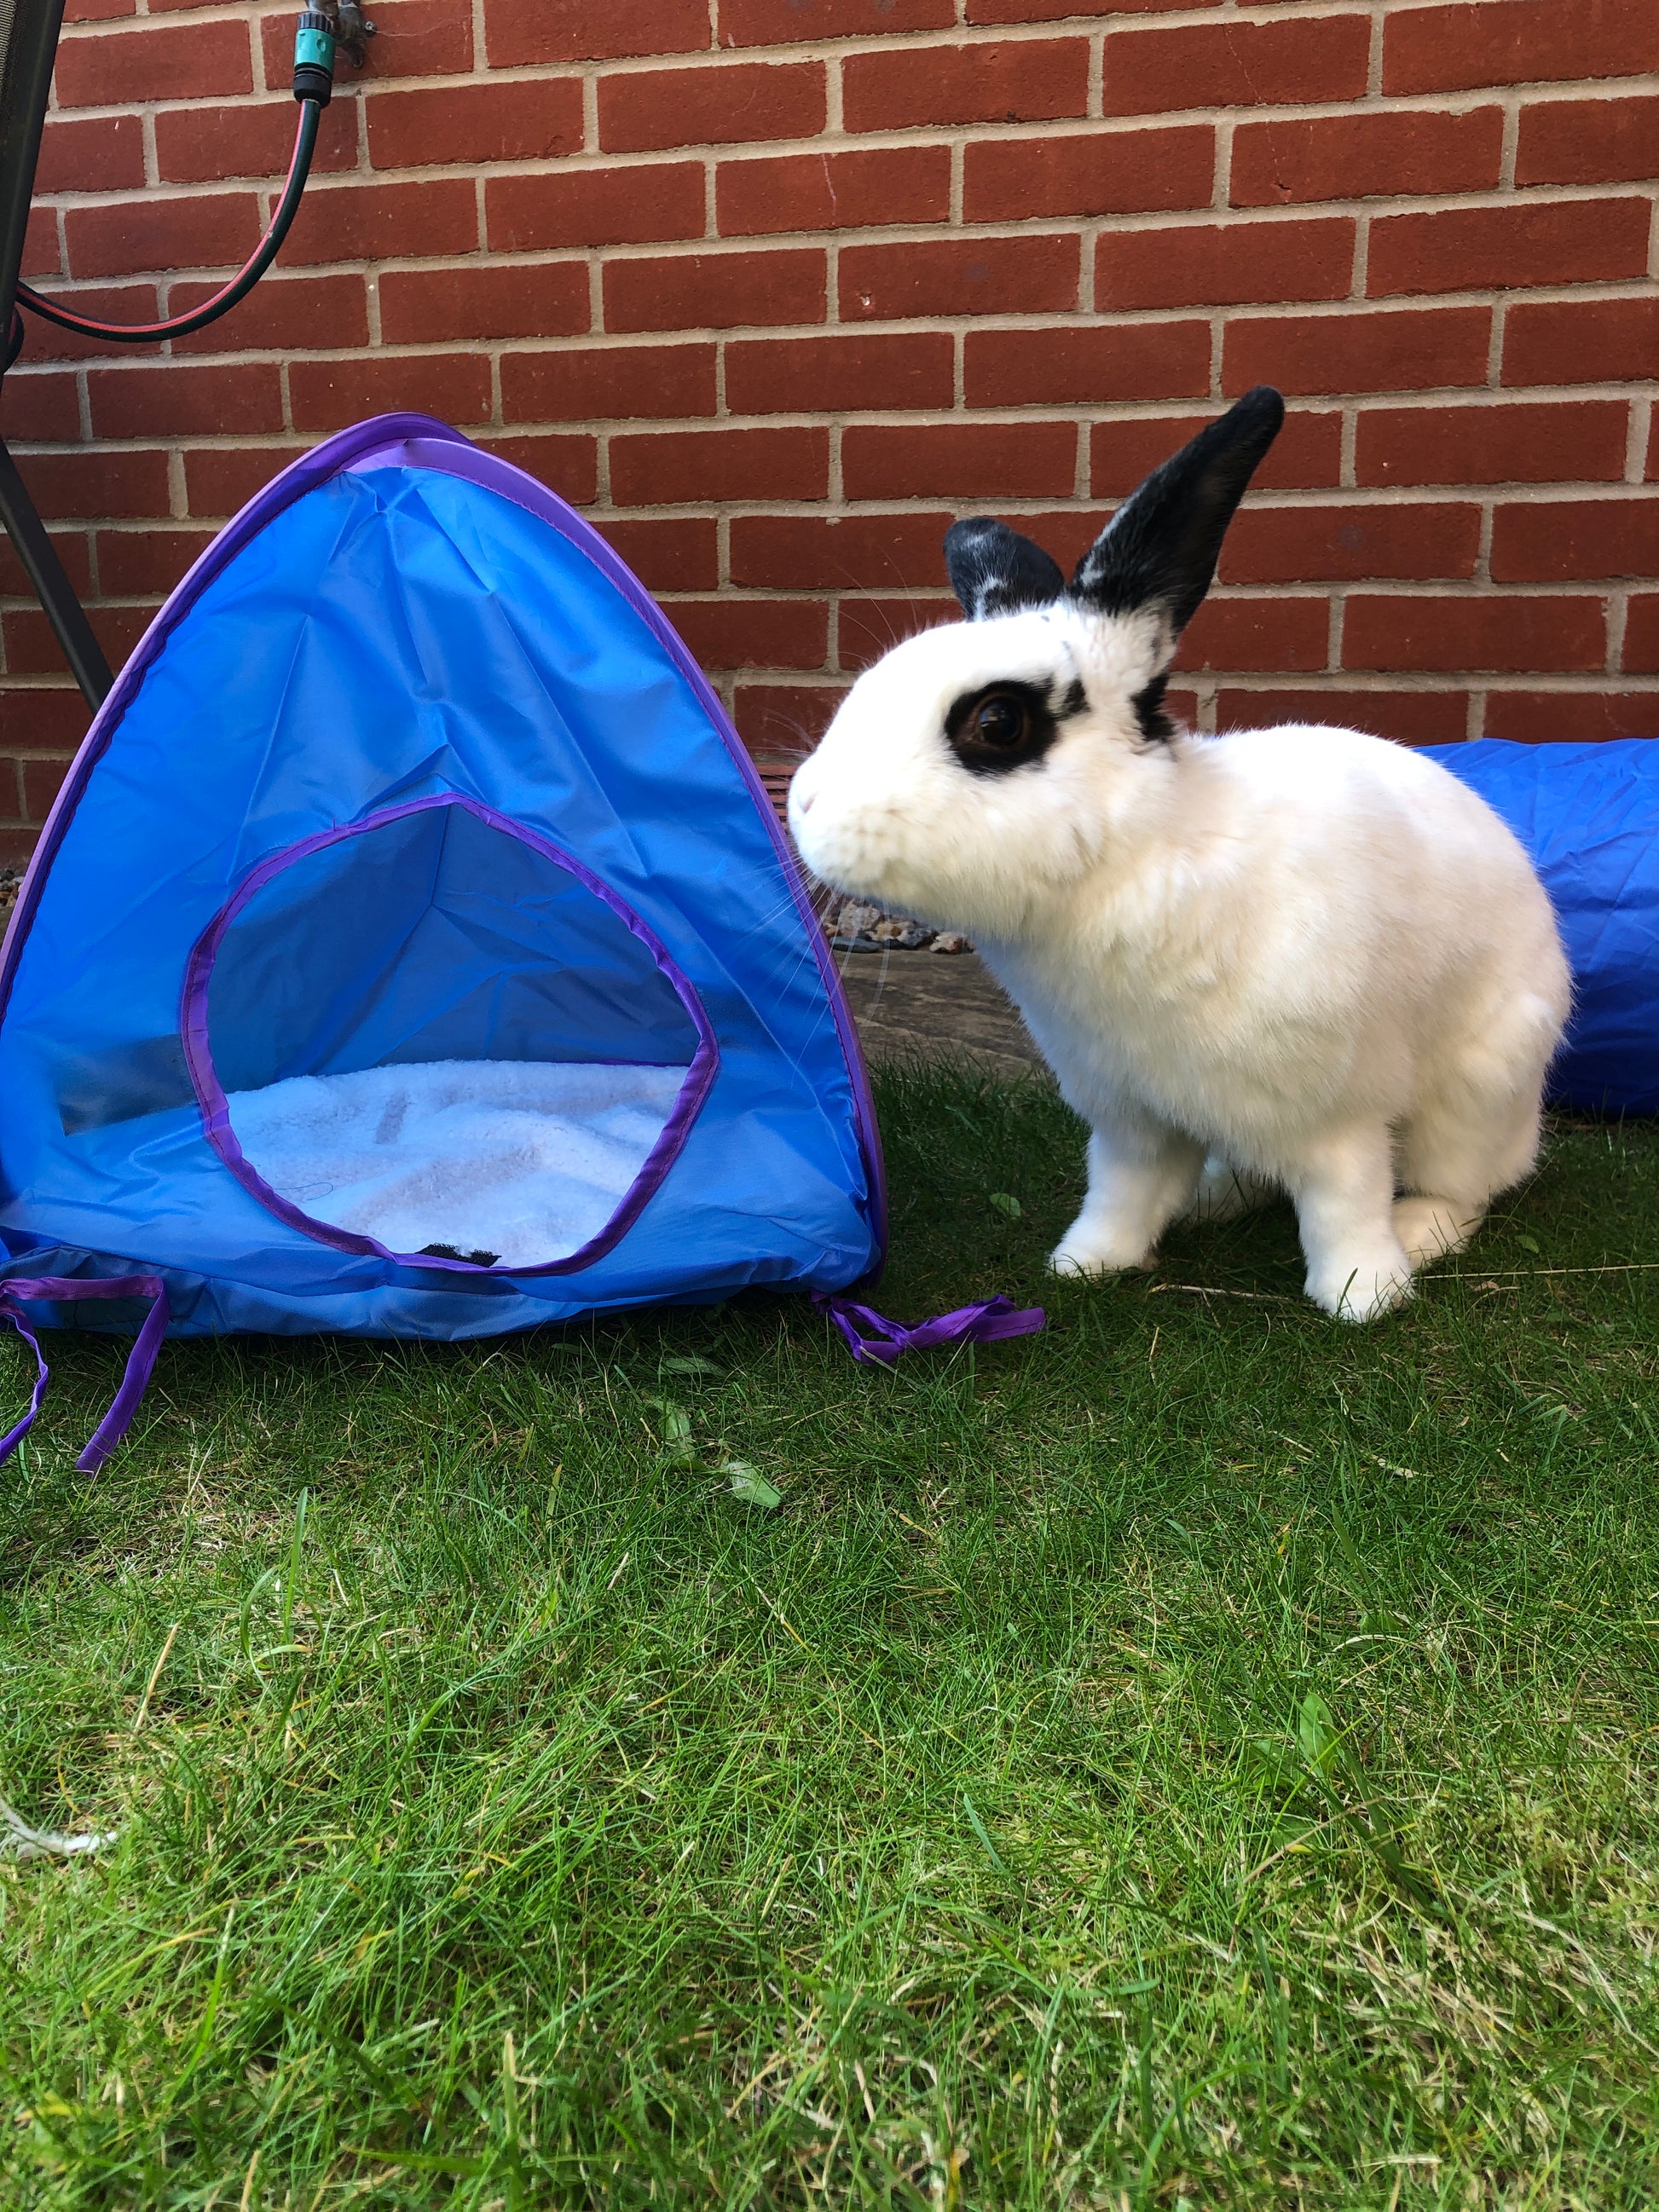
(1161,547)
(995,571)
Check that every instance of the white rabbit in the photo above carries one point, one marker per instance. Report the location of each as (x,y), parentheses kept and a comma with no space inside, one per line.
(1296,958)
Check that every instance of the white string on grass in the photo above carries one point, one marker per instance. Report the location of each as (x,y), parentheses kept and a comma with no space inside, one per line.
(27,1843)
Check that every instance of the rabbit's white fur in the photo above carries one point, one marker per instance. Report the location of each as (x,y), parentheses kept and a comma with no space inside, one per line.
(1297,959)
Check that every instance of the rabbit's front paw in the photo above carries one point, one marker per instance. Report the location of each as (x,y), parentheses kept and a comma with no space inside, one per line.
(1098,1248)
(1360,1287)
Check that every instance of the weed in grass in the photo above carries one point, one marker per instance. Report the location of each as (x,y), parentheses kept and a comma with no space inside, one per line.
(1204,1754)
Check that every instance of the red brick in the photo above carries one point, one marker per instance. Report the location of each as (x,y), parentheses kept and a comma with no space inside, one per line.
(102,154)
(838,373)
(374,223)
(1087,365)
(754,633)
(326,395)
(1216,264)
(1249,633)
(1412,718)
(566,464)
(1551,242)
(1033,274)
(1568,441)
(1641,633)
(671,468)
(1588,141)
(222,479)
(1236,64)
(1093,173)
(98,11)
(1536,718)
(202,145)
(413,37)
(183,61)
(779,23)
(497,300)
(1355,156)
(42,781)
(838,553)
(1393,350)
(176,400)
(1307,453)
(146,563)
(1067,532)
(32,647)
(715,291)
(1016,80)
(100,485)
(1346,544)
(56,719)
(217,231)
(288,314)
(73,549)
(960,460)
(1581,341)
(833,192)
(115,303)
(607,383)
(784,719)
(869,627)
(41,254)
(1449,48)
(1561,540)
(668,553)
(595,207)
(520,32)
(507,119)
(40,406)
(1459,634)
(711,103)
(1653,448)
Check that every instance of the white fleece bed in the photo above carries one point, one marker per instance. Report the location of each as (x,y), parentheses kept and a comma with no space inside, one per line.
(525,1159)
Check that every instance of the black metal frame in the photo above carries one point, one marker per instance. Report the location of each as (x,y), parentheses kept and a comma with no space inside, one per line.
(25,84)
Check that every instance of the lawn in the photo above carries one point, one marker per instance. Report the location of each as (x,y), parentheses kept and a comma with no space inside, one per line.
(1205,1754)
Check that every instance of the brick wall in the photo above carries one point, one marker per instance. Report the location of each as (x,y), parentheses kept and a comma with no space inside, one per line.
(773,289)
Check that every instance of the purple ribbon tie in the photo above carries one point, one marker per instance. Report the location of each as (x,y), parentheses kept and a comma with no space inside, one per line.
(873,1340)
(141,1360)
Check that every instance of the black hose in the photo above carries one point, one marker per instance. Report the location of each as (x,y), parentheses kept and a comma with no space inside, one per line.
(179,326)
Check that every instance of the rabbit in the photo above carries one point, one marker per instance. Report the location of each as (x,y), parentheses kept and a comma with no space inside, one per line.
(1296,959)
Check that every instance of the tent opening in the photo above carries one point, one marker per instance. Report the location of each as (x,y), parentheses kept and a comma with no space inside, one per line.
(434,1037)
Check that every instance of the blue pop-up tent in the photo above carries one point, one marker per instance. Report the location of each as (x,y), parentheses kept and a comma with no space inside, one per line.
(413,950)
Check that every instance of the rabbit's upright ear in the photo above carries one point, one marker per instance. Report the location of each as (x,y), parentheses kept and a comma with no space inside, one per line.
(995,571)
(1161,547)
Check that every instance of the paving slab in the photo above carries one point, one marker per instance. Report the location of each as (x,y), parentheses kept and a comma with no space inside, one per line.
(935,1006)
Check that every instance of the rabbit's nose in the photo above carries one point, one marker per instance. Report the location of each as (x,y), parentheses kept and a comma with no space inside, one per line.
(802,801)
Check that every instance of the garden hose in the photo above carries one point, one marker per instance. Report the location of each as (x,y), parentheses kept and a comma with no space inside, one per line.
(313,84)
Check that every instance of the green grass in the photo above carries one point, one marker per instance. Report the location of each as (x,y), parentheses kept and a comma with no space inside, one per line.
(1205,1754)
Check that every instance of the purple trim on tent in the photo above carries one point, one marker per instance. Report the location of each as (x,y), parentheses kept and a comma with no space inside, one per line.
(141,1360)
(873,1340)
(215,1110)
(385,436)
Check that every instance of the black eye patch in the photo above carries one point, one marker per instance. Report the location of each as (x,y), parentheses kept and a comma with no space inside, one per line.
(1008,725)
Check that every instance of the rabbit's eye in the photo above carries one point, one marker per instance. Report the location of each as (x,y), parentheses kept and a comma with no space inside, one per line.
(1001,721)
(1007,725)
